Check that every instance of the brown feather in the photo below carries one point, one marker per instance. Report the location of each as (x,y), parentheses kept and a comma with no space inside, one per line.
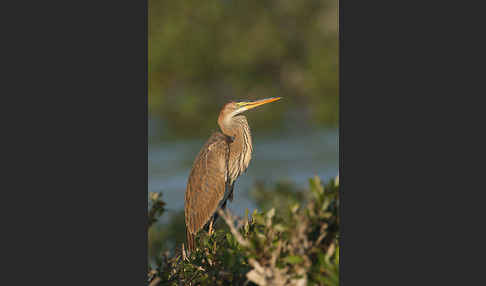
(190,241)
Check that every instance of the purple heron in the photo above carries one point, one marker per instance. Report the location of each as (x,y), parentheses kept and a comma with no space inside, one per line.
(221,160)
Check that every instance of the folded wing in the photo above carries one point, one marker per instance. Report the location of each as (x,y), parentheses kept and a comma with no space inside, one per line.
(206,185)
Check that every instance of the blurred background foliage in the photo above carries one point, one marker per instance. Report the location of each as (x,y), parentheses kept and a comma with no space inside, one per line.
(205,53)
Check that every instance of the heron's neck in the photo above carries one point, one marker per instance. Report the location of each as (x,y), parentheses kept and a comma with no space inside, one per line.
(237,127)
(241,148)
(234,126)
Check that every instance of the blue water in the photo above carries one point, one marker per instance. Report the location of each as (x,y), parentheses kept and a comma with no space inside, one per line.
(295,155)
(292,156)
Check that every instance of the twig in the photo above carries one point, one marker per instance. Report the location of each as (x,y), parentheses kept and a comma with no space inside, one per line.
(183,252)
(228,218)
(155,281)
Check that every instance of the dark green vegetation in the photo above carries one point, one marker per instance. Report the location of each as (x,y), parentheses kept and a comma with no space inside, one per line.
(205,53)
(294,242)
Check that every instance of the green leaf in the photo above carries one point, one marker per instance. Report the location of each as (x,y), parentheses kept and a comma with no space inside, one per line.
(293,259)
(229,238)
(270,213)
(280,227)
(294,208)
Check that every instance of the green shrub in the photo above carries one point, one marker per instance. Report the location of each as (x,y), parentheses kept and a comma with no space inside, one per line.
(156,208)
(295,245)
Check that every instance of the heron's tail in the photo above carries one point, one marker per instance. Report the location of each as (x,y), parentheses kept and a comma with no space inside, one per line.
(190,241)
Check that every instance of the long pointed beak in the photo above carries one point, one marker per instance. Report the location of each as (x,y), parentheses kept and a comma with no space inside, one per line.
(252,104)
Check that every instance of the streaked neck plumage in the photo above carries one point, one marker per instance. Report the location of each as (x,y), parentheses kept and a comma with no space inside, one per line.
(241,148)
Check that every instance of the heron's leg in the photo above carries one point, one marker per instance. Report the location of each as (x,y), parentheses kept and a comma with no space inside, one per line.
(230,196)
(211,226)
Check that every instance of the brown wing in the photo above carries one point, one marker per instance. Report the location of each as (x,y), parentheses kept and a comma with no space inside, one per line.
(206,184)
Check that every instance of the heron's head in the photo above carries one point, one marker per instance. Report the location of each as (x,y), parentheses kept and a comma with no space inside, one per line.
(236,107)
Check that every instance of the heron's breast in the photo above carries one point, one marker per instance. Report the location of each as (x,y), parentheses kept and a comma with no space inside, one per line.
(239,162)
